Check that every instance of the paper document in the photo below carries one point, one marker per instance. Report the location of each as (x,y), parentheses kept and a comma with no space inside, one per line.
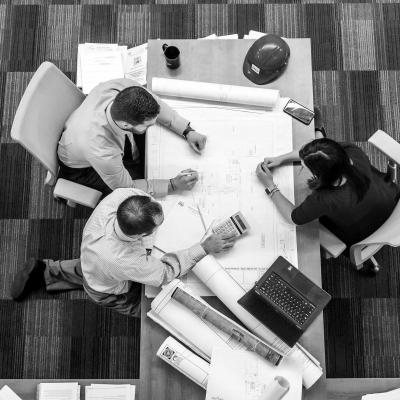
(391,395)
(8,394)
(241,375)
(181,229)
(100,62)
(58,391)
(110,392)
(136,64)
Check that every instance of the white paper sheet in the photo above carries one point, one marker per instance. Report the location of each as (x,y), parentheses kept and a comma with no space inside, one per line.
(236,142)
(241,375)
(391,395)
(8,394)
(181,229)
(136,64)
(99,391)
(58,391)
(99,62)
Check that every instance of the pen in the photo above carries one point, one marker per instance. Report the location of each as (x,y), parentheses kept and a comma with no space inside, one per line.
(201,217)
(185,173)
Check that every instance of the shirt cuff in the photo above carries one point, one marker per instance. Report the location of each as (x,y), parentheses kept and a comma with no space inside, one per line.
(193,256)
(154,187)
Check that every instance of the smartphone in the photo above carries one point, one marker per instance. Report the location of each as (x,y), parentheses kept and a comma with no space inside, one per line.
(299,112)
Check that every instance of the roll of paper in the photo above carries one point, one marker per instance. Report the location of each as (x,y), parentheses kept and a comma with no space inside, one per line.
(214,276)
(250,96)
(207,313)
(277,390)
(185,361)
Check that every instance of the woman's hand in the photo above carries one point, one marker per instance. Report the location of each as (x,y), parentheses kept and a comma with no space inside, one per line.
(264,175)
(272,162)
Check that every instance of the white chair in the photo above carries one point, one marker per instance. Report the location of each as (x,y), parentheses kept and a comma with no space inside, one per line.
(48,101)
(388,233)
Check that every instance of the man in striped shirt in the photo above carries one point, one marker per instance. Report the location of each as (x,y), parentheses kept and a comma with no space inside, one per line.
(116,255)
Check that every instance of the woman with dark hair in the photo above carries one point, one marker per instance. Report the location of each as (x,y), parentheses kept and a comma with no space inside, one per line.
(348,195)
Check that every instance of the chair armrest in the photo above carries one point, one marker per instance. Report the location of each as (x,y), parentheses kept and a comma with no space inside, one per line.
(330,243)
(76,193)
(386,145)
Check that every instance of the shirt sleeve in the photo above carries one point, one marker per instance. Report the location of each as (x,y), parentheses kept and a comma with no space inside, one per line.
(313,207)
(169,118)
(111,169)
(153,271)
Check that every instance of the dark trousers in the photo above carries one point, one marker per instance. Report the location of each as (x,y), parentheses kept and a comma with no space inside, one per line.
(90,178)
(67,275)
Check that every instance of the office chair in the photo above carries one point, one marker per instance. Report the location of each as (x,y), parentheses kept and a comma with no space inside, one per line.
(388,233)
(48,101)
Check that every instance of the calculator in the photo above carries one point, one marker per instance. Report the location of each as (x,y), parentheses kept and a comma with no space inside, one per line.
(234,224)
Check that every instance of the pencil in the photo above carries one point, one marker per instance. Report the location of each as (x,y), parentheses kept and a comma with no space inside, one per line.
(201,217)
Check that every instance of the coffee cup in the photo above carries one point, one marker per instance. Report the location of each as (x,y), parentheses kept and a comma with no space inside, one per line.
(171,54)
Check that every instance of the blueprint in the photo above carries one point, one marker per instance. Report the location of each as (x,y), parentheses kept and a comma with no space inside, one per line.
(237,140)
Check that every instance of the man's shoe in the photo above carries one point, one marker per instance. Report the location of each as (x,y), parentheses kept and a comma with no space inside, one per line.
(318,123)
(30,278)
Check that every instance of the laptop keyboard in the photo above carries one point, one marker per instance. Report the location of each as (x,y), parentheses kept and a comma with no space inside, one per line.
(286,298)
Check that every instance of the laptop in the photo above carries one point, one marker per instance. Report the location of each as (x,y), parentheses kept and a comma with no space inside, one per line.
(285,301)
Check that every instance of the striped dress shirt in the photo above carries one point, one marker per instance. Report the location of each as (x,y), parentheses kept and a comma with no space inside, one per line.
(110,260)
(92,139)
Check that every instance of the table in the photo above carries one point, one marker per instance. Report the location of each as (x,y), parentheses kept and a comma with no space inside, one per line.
(220,61)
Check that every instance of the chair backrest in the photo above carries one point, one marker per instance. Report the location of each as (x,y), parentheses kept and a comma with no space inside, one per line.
(387,234)
(48,101)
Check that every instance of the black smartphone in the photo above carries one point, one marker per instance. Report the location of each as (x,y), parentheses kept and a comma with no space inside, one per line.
(298,111)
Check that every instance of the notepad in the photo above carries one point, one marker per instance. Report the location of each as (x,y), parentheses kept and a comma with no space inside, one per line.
(182,228)
(58,391)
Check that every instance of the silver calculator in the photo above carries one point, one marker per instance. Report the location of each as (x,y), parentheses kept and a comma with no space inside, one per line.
(235,224)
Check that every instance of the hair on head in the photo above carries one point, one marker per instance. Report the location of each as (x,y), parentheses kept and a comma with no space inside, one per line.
(134,105)
(136,215)
(328,162)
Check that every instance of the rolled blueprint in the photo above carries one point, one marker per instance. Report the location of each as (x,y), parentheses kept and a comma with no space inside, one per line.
(216,92)
(226,325)
(185,361)
(213,275)
(277,390)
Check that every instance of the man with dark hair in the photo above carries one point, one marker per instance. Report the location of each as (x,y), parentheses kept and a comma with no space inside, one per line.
(102,145)
(116,255)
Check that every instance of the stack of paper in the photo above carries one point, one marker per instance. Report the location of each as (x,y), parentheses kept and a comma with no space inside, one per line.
(58,391)
(214,36)
(110,392)
(392,395)
(100,62)
(7,394)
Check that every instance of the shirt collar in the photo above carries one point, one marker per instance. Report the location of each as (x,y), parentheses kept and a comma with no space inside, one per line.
(115,128)
(121,235)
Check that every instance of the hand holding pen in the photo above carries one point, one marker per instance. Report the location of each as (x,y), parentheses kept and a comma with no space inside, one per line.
(185,180)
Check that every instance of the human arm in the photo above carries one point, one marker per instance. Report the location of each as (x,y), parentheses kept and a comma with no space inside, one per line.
(272,162)
(313,207)
(154,271)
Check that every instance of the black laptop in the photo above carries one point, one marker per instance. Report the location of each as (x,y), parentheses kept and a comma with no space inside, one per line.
(285,301)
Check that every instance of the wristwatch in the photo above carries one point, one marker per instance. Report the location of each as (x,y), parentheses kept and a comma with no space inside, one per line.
(187,130)
(272,190)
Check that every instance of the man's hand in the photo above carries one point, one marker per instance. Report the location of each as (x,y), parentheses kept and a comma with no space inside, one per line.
(197,141)
(214,243)
(185,180)
(264,175)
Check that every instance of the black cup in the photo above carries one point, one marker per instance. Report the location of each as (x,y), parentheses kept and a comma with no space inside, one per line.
(171,54)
